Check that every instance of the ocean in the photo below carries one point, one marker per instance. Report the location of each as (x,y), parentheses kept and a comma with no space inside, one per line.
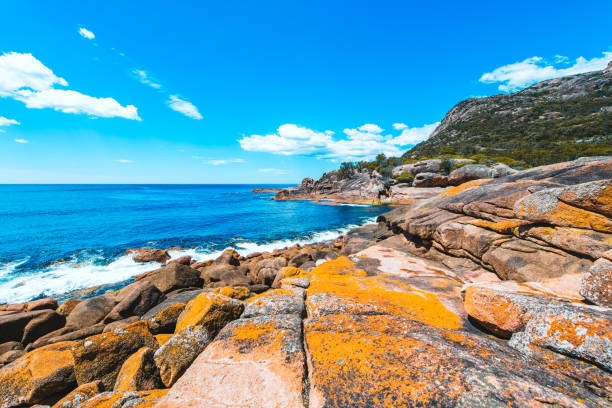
(91,226)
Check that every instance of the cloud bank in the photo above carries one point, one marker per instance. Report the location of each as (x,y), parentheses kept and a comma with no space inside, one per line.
(361,143)
(26,79)
(519,75)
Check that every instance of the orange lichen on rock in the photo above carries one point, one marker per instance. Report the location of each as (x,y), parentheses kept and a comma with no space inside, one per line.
(123,399)
(38,375)
(163,338)
(503,227)
(80,395)
(210,310)
(342,280)
(139,372)
(462,187)
(268,293)
(234,292)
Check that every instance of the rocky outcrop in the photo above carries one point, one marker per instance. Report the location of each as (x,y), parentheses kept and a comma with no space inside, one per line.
(149,255)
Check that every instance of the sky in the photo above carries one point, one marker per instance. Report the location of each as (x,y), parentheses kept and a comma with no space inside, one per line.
(260,91)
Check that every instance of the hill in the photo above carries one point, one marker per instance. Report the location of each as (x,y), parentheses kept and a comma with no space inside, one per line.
(553,121)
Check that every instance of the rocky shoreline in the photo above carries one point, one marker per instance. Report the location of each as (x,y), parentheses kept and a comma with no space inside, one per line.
(493,292)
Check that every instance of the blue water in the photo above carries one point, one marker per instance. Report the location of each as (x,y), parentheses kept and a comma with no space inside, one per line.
(91,226)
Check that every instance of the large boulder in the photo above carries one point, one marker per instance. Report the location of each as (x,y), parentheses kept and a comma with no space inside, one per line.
(38,322)
(139,372)
(478,171)
(39,304)
(176,355)
(149,255)
(165,320)
(228,257)
(41,374)
(430,180)
(172,277)
(100,357)
(66,334)
(79,395)
(226,273)
(91,311)
(257,363)
(46,322)
(597,285)
(134,300)
(211,311)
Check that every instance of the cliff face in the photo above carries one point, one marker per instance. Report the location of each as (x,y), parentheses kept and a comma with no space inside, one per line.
(553,121)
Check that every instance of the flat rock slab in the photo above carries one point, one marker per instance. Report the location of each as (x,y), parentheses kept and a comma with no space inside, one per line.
(389,361)
(256,362)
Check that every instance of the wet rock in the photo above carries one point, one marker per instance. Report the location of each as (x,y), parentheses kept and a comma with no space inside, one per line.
(177,354)
(91,311)
(172,277)
(267,367)
(37,376)
(100,357)
(139,372)
(597,285)
(42,324)
(149,255)
(134,300)
(211,311)
(80,395)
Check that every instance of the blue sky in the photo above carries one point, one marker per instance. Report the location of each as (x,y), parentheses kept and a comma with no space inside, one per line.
(260,91)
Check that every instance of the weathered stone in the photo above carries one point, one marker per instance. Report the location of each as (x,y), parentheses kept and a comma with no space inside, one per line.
(211,311)
(139,372)
(182,297)
(229,257)
(286,272)
(478,171)
(42,324)
(234,292)
(68,306)
(163,338)
(299,259)
(10,346)
(149,255)
(177,354)
(12,326)
(171,277)
(41,374)
(258,363)
(10,356)
(165,320)
(91,311)
(66,334)
(183,260)
(597,285)
(100,357)
(125,399)
(79,395)
(274,302)
(430,180)
(134,300)
(119,324)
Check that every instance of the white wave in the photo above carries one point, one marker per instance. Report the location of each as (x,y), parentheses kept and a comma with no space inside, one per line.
(72,275)
(10,267)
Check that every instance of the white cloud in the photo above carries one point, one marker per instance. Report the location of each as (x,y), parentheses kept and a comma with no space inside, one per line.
(22,141)
(218,162)
(399,126)
(26,79)
(145,78)
(273,171)
(361,143)
(123,161)
(184,107)
(412,136)
(8,122)
(85,33)
(561,59)
(531,70)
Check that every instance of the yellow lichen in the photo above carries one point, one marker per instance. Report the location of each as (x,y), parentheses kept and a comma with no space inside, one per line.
(462,187)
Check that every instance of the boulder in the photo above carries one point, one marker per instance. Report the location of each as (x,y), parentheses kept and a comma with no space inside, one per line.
(39,304)
(286,272)
(478,171)
(184,260)
(79,395)
(430,180)
(165,320)
(326,254)
(134,300)
(275,302)
(234,292)
(596,285)
(257,363)
(68,306)
(47,322)
(91,311)
(10,346)
(171,277)
(100,357)
(139,372)
(66,334)
(10,356)
(211,311)
(182,297)
(12,326)
(118,324)
(224,272)
(177,354)
(228,257)
(299,259)
(125,399)
(41,374)
(149,255)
